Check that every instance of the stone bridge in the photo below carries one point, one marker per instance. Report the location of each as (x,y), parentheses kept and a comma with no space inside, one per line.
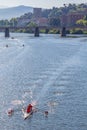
(35,29)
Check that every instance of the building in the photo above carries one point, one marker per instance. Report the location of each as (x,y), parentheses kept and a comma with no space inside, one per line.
(43,21)
(71,18)
(37,12)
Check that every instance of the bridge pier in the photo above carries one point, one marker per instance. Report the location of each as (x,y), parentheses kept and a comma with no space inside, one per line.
(46,31)
(7,32)
(63,32)
(36,34)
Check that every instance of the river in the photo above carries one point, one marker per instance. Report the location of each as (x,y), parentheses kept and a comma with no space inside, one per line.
(51,73)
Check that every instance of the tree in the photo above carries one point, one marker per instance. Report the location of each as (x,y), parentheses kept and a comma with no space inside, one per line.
(54,21)
(85,17)
(82,22)
(31,24)
(4,22)
(13,22)
(46,12)
(54,12)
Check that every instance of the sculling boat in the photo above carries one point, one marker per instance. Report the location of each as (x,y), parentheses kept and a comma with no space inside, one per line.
(26,115)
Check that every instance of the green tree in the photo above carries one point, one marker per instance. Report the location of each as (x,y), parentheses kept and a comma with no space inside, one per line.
(13,22)
(31,24)
(54,21)
(4,22)
(82,22)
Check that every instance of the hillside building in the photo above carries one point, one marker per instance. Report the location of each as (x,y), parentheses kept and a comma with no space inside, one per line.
(71,18)
(37,12)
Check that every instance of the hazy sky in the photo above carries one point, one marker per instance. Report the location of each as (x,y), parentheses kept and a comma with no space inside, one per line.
(39,3)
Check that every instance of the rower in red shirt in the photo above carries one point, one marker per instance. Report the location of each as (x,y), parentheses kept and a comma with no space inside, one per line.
(29,108)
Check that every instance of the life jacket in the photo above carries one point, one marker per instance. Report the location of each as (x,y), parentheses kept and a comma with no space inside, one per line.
(29,108)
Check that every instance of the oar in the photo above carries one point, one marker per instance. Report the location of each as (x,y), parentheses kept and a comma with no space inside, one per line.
(42,111)
(11,110)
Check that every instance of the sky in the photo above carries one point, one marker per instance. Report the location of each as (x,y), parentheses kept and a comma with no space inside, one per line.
(39,3)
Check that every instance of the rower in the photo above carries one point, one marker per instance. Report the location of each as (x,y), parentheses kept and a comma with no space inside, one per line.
(46,113)
(29,108)
(10,112)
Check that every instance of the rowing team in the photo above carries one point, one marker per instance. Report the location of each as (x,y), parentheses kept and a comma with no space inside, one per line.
(28,110)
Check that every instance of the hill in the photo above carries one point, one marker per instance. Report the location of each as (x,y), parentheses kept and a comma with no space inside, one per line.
(8,13)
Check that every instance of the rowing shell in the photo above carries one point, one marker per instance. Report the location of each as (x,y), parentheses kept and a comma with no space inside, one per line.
(26,115)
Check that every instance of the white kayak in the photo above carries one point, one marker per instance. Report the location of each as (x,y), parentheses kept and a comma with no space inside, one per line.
(26,115)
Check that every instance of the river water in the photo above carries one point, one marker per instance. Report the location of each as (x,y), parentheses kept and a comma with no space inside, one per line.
(51,73)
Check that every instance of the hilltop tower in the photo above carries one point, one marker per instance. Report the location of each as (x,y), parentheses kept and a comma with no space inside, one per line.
(37,12)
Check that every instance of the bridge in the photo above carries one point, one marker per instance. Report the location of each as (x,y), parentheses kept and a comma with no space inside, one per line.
(35,29)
